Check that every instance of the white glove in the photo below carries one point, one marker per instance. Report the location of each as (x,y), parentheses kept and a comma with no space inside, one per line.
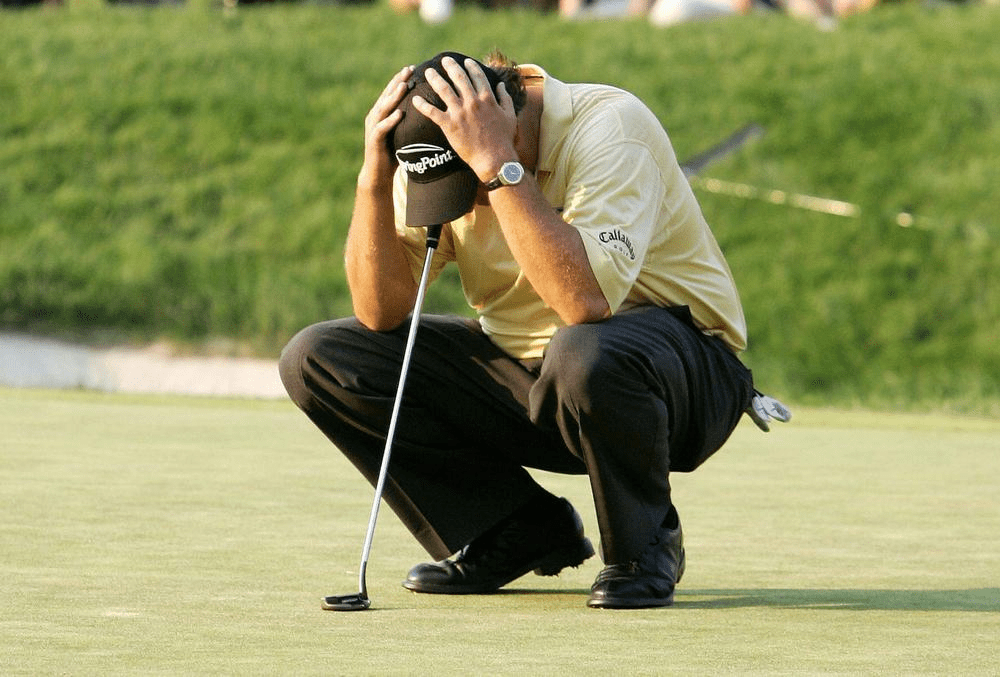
(763,409)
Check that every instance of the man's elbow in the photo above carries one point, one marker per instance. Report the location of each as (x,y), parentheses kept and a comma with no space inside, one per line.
(380,320)
(586,309)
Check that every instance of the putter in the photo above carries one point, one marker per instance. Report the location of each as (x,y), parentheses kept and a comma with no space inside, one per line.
(360,601)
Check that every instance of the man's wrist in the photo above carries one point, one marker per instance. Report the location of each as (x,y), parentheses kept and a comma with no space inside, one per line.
(511,173)
(488,165)
(493,170)
(374,181)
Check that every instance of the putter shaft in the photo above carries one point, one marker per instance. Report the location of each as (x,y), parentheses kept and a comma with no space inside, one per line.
(433,237)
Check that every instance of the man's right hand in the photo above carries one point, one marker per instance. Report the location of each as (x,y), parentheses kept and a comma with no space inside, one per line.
(380,164)
(378,271)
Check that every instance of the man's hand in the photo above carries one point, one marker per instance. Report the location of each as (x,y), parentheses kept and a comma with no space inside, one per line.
(380,164)
(378,274)
(481,131)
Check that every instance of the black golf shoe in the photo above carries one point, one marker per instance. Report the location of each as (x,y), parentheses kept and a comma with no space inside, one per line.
(544,543)
(646,582)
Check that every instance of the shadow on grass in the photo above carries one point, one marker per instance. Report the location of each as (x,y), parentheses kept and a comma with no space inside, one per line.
(979,599)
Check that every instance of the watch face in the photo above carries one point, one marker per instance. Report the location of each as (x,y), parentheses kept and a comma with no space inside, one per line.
(512,172)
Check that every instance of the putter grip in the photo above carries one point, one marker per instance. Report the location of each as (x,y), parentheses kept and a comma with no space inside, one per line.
(433,236)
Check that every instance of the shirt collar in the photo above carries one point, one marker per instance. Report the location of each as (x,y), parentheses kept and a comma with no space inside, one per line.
(557,113)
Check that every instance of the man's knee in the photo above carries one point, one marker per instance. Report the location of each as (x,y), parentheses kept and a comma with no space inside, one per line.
(293,359)
(313,345)
(577,365)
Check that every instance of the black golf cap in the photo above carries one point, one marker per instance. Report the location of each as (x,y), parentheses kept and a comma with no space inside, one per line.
(440,186)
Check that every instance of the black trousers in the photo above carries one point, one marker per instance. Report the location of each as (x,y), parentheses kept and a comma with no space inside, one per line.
(626,401)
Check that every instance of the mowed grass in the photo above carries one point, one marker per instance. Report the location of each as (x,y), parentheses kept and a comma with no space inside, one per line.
(147,535)
(188,173)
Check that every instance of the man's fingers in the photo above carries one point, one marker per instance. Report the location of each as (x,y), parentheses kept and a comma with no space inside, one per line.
(476,76)
(506,102)
(460,78)
(430,111)
(390,97)
(467,82)
(441,88)
(389,121)
(395,88)
(402,76)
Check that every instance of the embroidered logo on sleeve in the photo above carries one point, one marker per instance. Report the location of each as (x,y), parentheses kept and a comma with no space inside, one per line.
(618,241)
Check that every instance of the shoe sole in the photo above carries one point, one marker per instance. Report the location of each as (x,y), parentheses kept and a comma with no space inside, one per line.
(549,564)
(623,603)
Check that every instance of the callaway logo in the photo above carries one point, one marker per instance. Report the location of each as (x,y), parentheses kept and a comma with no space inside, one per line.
(619,242)
(417,158)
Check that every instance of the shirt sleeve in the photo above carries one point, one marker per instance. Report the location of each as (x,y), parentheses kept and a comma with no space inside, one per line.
(614,196)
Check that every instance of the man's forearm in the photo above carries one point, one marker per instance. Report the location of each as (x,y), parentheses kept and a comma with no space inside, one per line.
(550,252)
(378,273)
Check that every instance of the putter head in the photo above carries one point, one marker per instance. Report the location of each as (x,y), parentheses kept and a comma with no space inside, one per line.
(356,602)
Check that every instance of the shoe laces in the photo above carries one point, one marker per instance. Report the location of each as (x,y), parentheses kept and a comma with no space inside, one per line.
(627,569)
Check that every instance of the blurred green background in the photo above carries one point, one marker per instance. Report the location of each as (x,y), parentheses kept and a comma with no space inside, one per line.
(186,173)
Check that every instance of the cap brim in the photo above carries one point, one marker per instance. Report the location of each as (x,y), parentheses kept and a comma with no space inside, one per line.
(441,201)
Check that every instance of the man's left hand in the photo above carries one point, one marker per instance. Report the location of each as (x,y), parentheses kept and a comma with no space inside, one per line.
(482,130)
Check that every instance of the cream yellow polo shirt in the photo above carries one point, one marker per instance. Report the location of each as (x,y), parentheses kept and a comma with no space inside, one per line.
(606,164)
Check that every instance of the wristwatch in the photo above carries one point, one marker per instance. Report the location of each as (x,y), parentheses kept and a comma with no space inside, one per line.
(510,174)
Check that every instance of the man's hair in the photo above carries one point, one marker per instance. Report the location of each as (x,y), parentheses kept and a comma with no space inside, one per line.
(511,76)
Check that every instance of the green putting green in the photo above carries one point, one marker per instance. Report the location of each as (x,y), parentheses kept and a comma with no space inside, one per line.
(153,535)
